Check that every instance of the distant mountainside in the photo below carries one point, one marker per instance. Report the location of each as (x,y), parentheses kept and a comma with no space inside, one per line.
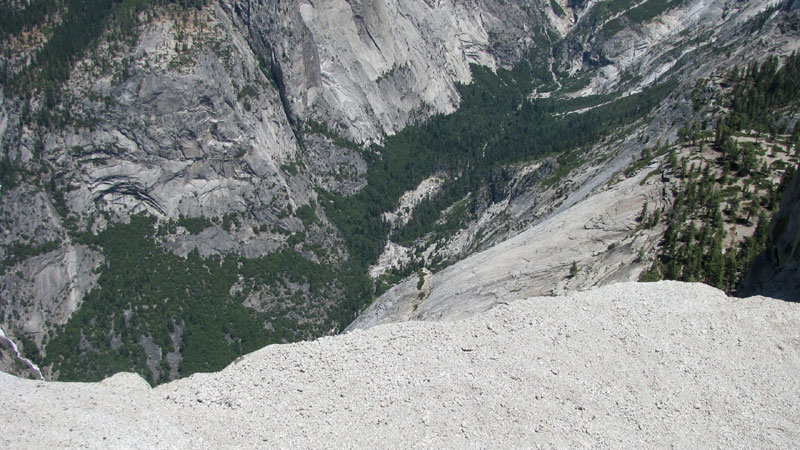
(695,210)
(186,181)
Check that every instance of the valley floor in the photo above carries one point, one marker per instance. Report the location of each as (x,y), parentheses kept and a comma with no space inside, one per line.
(627,365)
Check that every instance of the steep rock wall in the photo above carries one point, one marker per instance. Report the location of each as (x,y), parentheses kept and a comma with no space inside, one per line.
(369,68)
(776,272)
(206,114)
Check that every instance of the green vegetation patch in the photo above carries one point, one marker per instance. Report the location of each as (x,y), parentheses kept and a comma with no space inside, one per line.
(80,28)
(147,292)
(18,252)
(761,91)
(14,20)
(557,8)
(306,215)
(697,225)
(195,225)
(639,14)
(495,126)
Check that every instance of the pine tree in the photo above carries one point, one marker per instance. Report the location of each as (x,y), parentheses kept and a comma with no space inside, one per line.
(643,215)
(753,210)
(731,270)
(715,264)
(673,159)
(733,208)
(654,219)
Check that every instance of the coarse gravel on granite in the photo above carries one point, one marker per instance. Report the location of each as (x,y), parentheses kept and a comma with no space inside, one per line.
(623,366)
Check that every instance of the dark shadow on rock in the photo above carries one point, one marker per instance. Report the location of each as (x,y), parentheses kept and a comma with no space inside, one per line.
(776,271)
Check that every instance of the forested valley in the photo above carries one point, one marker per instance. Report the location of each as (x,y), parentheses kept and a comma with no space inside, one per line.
(165,315)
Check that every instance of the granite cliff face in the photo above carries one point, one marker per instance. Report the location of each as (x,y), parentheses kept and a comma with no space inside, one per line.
(369,68)
(600,234)
(229,110)
(527,234)
(183,123)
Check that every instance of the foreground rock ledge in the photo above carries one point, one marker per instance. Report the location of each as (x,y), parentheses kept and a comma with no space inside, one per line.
(626,365)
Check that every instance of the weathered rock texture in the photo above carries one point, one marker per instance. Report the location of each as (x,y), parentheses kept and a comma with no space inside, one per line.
(368,68)
(624,366)
(182,122)
(530,234)
(228,110)
(600,234)
(209,113)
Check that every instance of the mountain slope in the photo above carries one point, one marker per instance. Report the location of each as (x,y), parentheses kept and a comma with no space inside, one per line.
(202,115)
(184,181)
(626,365)
(775,271)
(536,261)
(534,222)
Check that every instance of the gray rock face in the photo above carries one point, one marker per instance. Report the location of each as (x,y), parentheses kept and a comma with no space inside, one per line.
(211,112)
(626,366)
(368,68)
(623,54)
(598,233)
(334,168)
(45,290)
(526,240)
(184,122)
(207,114)
(196,132)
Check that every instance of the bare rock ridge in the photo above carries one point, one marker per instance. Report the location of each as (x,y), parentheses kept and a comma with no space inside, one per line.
(623,366)
(536,261)
(524,244)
